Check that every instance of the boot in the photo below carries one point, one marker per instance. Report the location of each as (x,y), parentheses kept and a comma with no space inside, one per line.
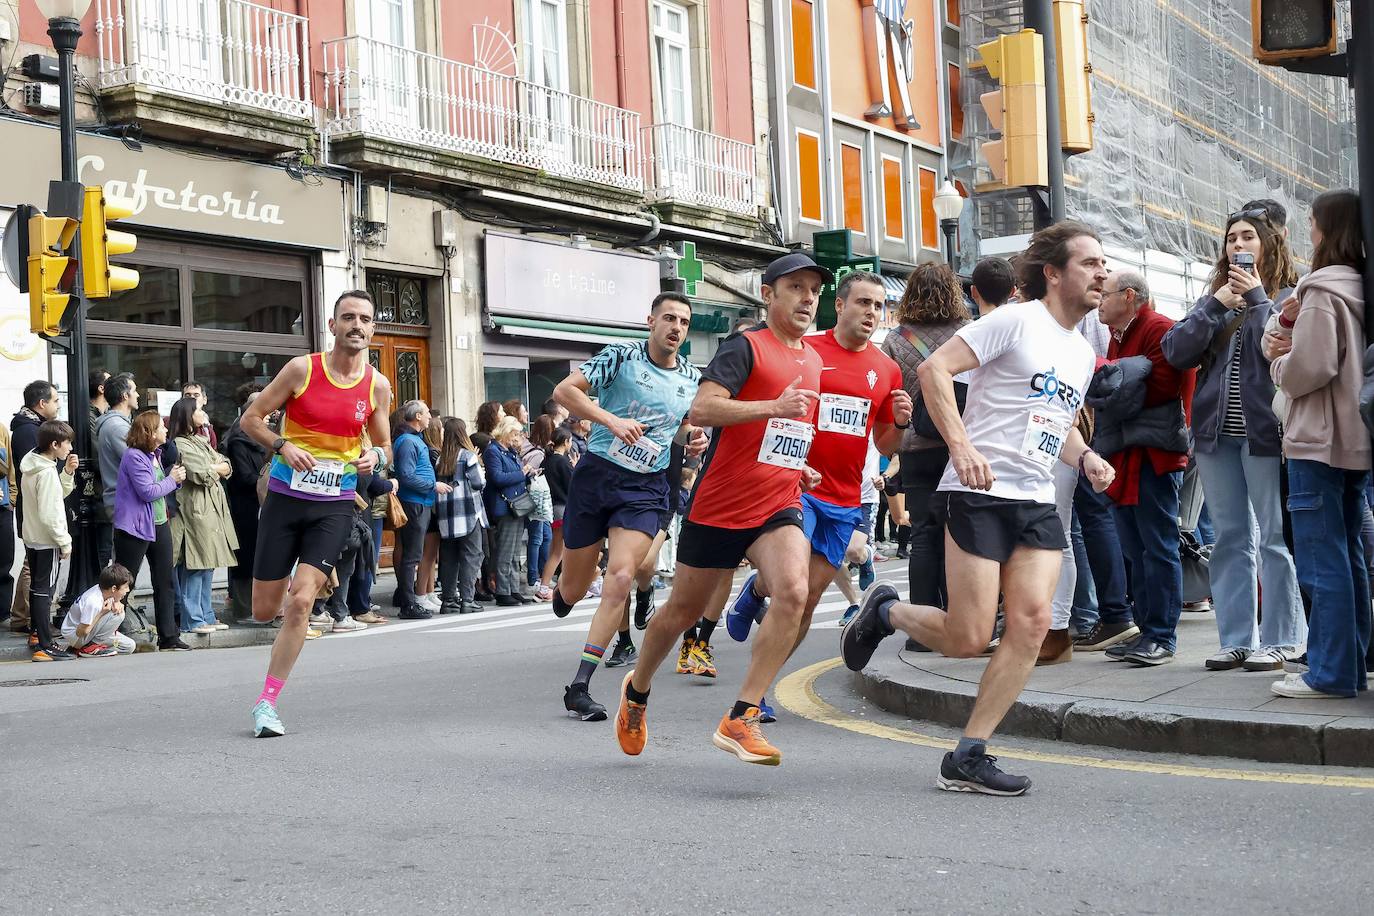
(1056,649)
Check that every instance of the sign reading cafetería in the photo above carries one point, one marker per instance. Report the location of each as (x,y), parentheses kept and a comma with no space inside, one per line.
(169,189)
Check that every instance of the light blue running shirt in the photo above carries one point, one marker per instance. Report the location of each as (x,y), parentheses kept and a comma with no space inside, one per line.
(627,383)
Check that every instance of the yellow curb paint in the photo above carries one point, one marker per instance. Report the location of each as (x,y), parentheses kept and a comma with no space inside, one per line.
(797,693)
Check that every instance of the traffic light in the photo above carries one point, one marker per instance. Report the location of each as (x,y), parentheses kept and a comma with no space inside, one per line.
(1075,89)
(1017,110)
(99,242)
(1288,30)
(51,272)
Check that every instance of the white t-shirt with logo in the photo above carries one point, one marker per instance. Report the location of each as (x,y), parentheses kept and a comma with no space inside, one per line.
(1023,398)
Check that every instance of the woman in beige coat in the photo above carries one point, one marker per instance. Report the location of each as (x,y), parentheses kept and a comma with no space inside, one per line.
(203,538)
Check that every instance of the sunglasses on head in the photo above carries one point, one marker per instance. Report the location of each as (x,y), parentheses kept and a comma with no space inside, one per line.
(1253,213)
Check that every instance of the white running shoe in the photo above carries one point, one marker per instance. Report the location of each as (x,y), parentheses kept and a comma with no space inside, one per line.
(348,625)
(429,602)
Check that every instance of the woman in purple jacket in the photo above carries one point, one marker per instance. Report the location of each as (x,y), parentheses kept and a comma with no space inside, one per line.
(140,519)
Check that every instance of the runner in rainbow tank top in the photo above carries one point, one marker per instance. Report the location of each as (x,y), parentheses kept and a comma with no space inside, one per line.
(328,400)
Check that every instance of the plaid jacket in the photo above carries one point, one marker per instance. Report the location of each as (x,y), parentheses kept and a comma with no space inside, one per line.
(461,511)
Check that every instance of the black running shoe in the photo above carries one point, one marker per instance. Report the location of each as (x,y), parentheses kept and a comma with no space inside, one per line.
(578,702)
(860,639)
(644,607)
(623,654)
(562,608)
(978,773)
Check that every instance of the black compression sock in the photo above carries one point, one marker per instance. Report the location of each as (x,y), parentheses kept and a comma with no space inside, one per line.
(970,747)
(741,707)
(634,696)
(690,633)
(704,629)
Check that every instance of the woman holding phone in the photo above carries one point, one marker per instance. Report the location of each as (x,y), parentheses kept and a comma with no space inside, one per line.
(1237,443)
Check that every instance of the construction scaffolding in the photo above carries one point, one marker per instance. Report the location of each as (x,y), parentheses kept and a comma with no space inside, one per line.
(1188,128)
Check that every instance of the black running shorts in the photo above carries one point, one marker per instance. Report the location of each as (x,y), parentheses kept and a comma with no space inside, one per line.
(708,547)
(992,527)
(309,531)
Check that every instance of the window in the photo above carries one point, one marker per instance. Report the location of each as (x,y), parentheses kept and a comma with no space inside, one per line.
(545,44)
(894,207)
(952,12)
(930,229)
(852,182)
(237,303)
(386,60)
(809,176)
(956,107)
(672,46)
(803,44)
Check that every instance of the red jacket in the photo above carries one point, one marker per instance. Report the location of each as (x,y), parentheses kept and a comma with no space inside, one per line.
(1142,338)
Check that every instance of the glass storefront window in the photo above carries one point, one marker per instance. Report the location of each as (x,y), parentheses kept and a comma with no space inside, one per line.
(155,367)
(505,384)
(223,371)
(233,302)
(156,299)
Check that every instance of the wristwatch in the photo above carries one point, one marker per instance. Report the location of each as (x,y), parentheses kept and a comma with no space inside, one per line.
(278,445)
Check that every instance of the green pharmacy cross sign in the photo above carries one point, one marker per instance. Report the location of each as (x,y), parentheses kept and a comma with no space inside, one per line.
(689,268)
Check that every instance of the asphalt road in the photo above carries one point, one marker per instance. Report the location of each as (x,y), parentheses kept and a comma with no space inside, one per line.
(430,771)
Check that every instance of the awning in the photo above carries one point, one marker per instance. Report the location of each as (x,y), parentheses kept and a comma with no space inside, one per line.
(563,331)
(895,286)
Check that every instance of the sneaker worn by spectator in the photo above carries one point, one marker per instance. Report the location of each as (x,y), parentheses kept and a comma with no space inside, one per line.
(1268,658)
(1056,649)
(1105,635)
(1294,686)
(1227,660)
(1148,652)
(348,625)
(1296,665)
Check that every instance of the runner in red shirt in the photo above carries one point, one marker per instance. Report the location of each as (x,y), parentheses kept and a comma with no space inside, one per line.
(861,396)
(759,393)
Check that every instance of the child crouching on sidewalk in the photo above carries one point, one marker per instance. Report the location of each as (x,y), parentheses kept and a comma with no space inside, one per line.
(92,623)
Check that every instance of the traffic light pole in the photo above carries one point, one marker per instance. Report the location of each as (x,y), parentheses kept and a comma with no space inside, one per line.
(1360,54)
(1039,15)
(85,564)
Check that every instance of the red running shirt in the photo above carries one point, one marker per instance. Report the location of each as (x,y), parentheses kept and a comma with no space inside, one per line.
(736,489)
(856,392)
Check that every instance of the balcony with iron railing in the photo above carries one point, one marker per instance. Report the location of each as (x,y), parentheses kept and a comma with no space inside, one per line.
(377,91)
(206,66)
(699,169)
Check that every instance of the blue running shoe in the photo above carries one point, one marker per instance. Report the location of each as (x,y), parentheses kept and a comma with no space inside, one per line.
(866,575)
(747,610)
(266,723)
(849,615)
(766,712)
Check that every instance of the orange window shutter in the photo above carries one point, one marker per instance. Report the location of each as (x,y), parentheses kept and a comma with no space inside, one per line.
(809,176)
(851,170)
(930,231)
(803,44)
(892,200)
(956,107)
(952,12)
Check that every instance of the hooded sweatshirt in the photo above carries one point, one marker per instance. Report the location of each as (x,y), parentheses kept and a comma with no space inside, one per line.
(110,432)
(45,515)
(1323,372)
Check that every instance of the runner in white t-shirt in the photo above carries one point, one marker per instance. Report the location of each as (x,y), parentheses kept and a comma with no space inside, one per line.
(997,495)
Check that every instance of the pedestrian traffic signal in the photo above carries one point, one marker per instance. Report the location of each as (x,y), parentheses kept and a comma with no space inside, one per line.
(1017,110)
(1075,89)
(51,271)
(98,242)
(1288,30)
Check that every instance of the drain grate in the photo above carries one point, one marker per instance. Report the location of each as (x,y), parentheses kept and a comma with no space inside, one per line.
(44,681)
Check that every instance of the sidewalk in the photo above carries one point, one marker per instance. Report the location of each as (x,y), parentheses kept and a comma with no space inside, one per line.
(14,646)
(1177,708)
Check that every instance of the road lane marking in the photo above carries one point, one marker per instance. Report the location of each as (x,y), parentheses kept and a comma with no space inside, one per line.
(797,693)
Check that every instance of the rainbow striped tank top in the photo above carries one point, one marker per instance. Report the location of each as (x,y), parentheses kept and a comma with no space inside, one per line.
(326,419)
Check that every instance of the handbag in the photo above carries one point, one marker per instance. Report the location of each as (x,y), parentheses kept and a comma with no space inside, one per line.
(521,505)
(395,517)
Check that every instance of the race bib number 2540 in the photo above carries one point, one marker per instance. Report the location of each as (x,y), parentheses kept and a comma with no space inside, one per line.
(324,479)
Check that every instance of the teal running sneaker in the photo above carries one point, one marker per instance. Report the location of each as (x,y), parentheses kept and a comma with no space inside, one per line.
(266,723)
(747,610)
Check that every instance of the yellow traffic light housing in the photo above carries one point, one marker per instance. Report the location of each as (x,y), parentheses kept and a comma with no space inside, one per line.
(98,243)
(51,272)
(1017,111)
(1075,89)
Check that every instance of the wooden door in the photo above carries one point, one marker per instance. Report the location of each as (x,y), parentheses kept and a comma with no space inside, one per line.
(404,360)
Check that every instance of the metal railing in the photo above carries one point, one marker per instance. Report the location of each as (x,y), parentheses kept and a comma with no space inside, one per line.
(699,168)
(387,91)
(225,51)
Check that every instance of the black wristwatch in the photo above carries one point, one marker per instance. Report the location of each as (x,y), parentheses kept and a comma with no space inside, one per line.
(278,445)
(906,425)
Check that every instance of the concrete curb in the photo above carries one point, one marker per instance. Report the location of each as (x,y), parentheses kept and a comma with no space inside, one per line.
(1270,737)
(17,650)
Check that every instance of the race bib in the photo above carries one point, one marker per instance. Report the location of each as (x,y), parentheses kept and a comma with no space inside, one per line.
(324,479)
(1044,439)
(639,457)
(843,414)
(786,443)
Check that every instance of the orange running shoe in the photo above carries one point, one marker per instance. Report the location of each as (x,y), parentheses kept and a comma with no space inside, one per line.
(631,730)
(684,656)
(744,738)
(703,663)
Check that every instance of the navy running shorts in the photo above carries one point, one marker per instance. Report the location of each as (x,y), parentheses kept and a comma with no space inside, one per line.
(603,495)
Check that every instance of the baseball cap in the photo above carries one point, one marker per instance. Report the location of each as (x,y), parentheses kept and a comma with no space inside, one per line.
(790,264)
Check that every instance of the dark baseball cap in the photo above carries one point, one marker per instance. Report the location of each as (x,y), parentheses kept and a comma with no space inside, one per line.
(790,264)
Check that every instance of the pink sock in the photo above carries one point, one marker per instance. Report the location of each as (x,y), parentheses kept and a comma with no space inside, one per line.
(271,689)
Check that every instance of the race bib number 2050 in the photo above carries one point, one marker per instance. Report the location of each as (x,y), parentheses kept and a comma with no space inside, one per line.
(324,479)
(786,443)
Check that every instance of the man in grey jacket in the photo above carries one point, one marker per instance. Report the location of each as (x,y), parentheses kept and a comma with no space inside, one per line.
(121,392)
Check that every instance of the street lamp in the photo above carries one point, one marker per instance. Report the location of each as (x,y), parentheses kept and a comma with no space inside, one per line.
(949,203)
(64,28)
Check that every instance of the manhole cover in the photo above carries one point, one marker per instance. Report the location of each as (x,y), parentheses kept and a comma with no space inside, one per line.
(44,681)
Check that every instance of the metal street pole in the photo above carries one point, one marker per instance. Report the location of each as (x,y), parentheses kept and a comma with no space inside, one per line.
(85,564)
(1039,15)
(1360,54)
(950,227)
